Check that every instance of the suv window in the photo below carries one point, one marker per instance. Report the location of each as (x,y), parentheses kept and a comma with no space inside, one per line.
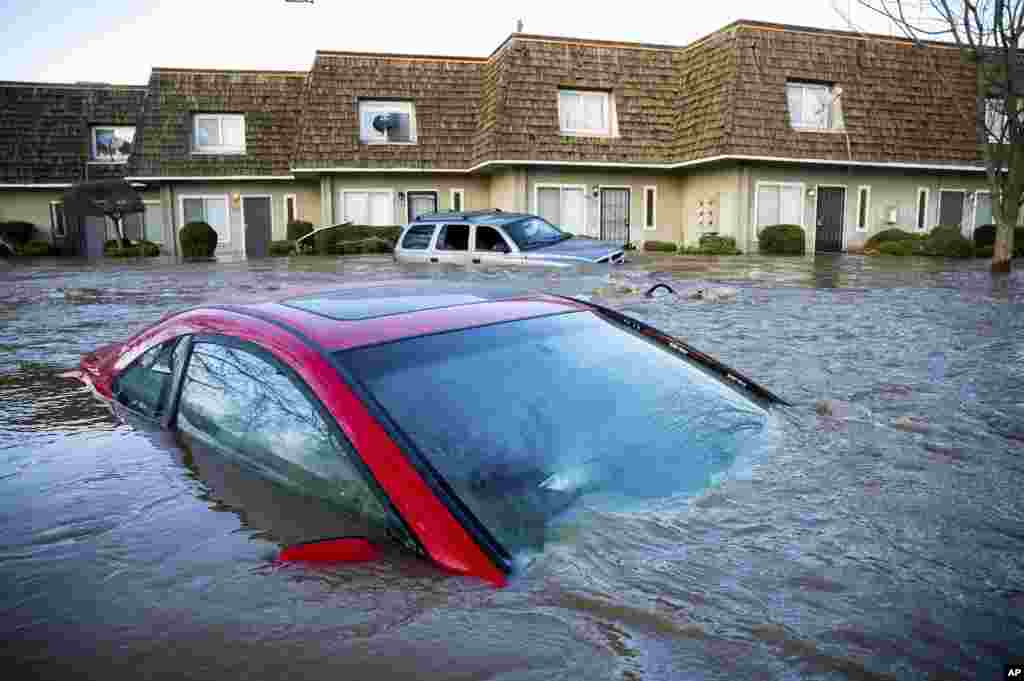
(418,237)
(243,402)
(145,384)
(490,239)
(453,238)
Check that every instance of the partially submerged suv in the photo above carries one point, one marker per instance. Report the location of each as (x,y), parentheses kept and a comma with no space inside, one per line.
(494,237)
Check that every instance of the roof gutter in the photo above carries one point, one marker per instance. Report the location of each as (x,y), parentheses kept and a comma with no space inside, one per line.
(210,178)
(653,166)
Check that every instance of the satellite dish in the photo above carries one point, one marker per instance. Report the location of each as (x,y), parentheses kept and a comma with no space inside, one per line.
(385,122)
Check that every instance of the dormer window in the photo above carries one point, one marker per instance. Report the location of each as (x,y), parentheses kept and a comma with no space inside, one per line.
(112,144)
(218,133)
(586,112)
(814,106)
(387,122)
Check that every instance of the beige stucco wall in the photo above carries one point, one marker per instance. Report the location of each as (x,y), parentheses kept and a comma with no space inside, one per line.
(475,190)
(668,209)
(34,206)
(508,190)
(711,201)
(889,190)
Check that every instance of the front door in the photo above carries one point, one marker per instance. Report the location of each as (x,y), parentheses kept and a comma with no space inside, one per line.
(256,213)
(615,214)
(421,203)
(831,203)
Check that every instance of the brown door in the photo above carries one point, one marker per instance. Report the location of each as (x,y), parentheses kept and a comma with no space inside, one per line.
(256,212)
(831,202)
(615,215)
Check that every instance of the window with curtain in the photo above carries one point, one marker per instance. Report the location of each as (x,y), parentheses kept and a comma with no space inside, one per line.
(213,210)
(779,204)
(584,113)
(564,207)
(810,105)
(372,208)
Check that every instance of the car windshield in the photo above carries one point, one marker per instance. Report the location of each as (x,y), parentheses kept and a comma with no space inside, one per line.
(534,232)
(526,419)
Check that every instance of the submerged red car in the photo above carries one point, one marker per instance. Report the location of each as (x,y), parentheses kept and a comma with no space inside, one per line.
(461,420)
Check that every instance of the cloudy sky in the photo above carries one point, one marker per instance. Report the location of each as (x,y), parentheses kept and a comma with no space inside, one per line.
(117,41)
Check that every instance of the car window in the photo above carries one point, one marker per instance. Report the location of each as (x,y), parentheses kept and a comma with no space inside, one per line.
(418,237)
(248,404)
(146,383)
(453,238)
(489,239)
(533,232)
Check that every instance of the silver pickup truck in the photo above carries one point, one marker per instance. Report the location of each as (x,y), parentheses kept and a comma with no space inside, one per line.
(497,238)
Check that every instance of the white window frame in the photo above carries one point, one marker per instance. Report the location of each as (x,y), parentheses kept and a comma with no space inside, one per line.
(284,209)
(864,188)
(227,203)
(974,209)
(340,200)
(120,160)
(772,183)
(53,221)
(461,193)
(561,187)
(952,190)
(609,114)
(830,123)
(654,208)
(920,224)
(218,148)
(385,106)
(437,200)
(156,202)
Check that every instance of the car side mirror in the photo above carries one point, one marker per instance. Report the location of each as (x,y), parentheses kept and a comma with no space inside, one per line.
(337,550)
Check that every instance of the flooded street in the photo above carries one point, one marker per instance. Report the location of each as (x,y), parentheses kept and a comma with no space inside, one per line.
(881,537)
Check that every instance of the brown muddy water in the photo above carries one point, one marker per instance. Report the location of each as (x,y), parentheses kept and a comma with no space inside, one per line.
(882,541)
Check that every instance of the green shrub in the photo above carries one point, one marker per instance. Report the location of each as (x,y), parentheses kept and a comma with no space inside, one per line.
(713,244)
(947,242)
(1018,242)
(902,247)
(198,240)
(984,235)
(282,247)
(298,229)
(371,244)
(983,251)
(660,246)
(146,249)
(17,231)
(349,240)
(782,240)
(35,248)
(885,235)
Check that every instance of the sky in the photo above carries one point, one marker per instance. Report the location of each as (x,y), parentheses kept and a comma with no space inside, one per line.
(118,41)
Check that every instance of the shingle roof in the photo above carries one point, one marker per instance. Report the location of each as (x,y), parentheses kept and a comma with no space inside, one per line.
(270,101)
(445,90)
(44,128)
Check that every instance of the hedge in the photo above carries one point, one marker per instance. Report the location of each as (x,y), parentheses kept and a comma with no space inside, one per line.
(892,234)
(17,231)
(985,235)
(713,244)
(284,247)
(298,229)
(146,249)
(348,240)
(782,240)
(947,242)
(35,248)
(902,247)
(198,240)
(660,246)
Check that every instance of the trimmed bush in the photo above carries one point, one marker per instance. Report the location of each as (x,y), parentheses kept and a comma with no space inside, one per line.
(282,247)
(713,244)
(354,240)
(889,235)
(371,244)
(1018,242)
(660,246)
(35,248)
(298,229)
(782,240)
(146,249)
(17,231)
(985,235)
(947,242)
(983,251)
(198,240)
(901,247)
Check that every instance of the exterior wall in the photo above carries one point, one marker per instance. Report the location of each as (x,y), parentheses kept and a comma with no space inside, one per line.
(668,208)
(476,189)
(710,202)
(892,190)
(508,190)
(34,206)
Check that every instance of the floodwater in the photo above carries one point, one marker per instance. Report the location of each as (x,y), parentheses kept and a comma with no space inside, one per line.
(884,541)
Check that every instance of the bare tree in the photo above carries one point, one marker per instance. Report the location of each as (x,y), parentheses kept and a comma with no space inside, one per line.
(990,34)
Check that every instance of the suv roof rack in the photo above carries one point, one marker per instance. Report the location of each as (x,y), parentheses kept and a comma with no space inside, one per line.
(461,214)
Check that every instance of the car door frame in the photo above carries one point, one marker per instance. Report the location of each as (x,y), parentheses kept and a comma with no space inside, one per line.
(446,257)
(513,256)
(416,255)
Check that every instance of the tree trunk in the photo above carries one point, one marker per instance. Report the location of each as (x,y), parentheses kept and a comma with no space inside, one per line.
(1002,251)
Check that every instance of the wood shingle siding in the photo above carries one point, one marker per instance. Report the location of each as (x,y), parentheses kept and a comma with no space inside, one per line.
(45,129)
(270,101)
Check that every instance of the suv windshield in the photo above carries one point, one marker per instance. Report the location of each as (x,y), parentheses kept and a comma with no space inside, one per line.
(524,419)
(534,232)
